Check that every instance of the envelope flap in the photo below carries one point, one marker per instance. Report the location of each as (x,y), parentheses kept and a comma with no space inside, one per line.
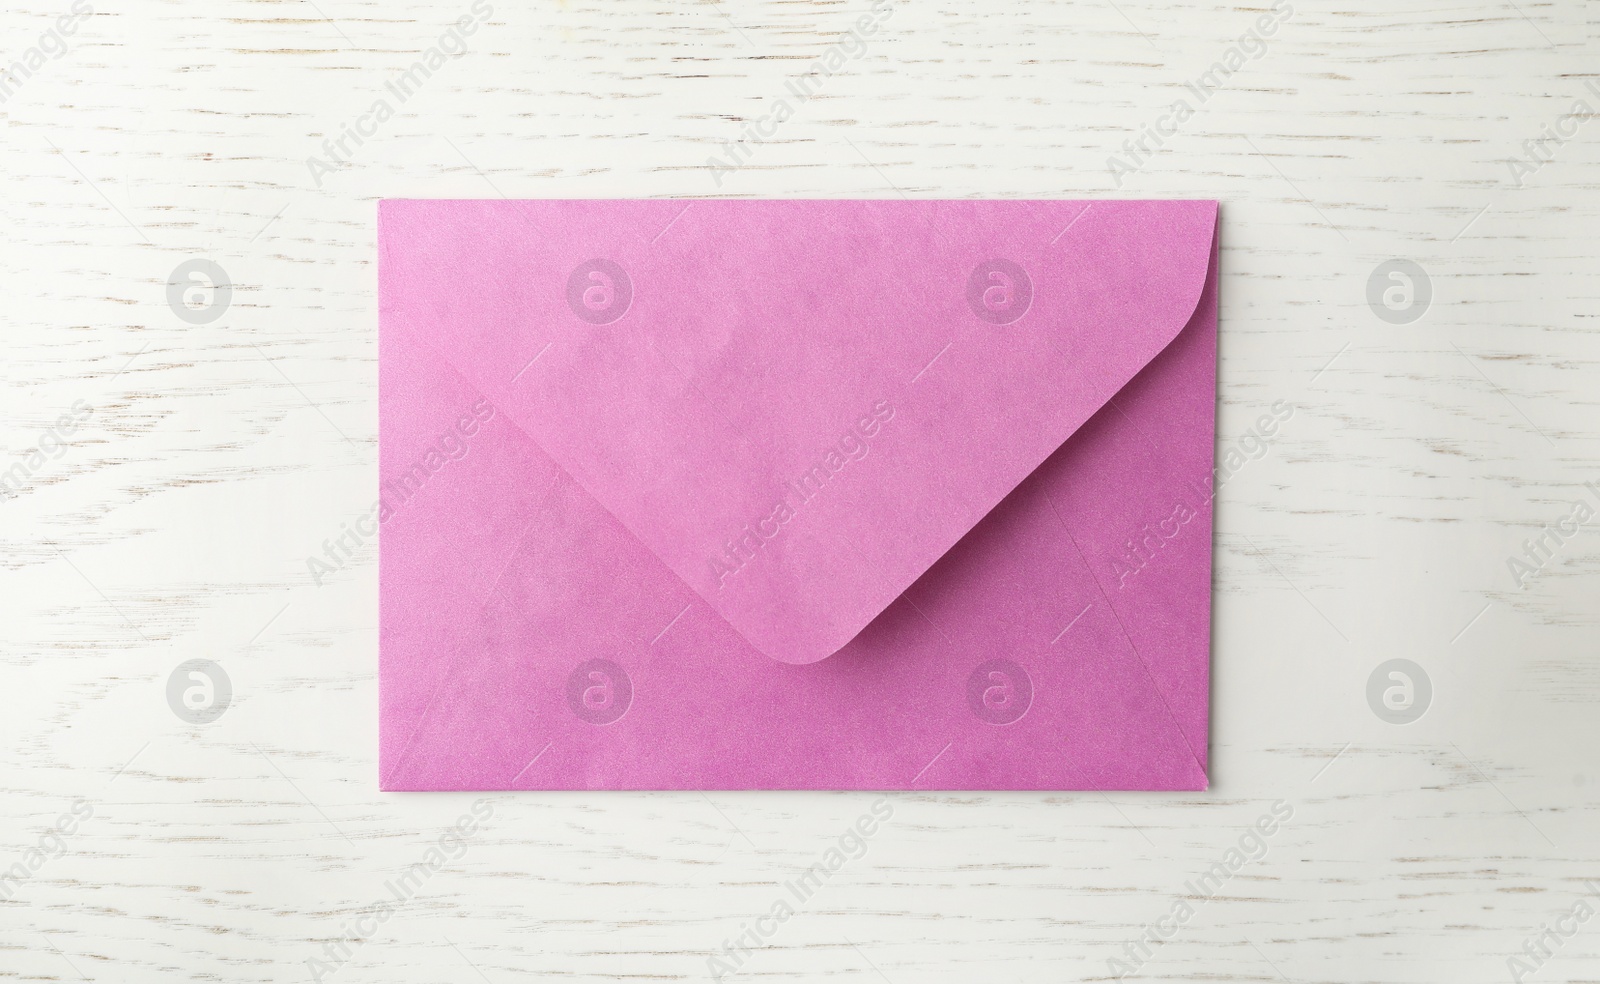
(798,406)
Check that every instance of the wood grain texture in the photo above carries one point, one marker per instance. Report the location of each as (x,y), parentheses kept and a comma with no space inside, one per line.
(214,458)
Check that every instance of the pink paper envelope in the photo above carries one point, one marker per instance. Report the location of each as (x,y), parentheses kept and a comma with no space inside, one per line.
(796,494)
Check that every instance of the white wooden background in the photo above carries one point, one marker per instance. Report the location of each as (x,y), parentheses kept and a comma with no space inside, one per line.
(217,457)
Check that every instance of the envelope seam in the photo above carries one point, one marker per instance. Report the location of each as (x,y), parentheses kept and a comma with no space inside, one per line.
(1155,685)
(455,659)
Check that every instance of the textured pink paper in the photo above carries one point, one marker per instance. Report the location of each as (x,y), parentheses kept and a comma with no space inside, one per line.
(795,494)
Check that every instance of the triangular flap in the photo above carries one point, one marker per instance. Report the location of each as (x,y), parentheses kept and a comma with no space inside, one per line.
(799,406)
